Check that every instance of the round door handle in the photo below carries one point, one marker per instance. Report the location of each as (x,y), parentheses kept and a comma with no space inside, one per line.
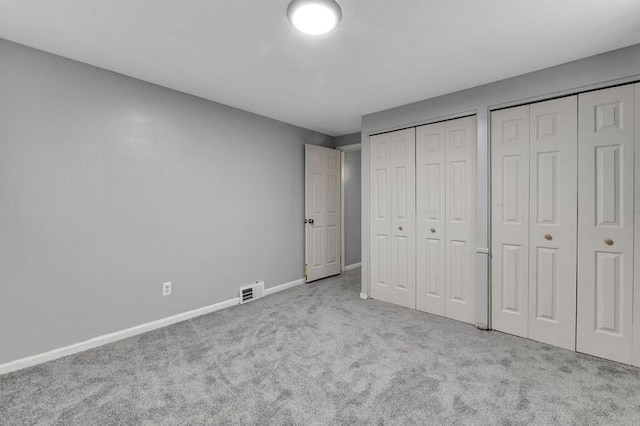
(548,237)
(400,228)
(311,221)
(433,230)
(608,242)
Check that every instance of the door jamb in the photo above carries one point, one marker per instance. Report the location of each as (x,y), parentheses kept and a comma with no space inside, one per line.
(343,149)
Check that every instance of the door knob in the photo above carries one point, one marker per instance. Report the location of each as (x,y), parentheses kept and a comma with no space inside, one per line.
(433,230)
(548,237)
(608,242)
(400,228)
(311,221)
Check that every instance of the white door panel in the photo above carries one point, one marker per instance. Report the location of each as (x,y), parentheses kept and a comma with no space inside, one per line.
(392,198)
(510,220)
(460,219)
(553,221)
(605,220)
(322,210)
(446,163)
(380,219)
(430,189)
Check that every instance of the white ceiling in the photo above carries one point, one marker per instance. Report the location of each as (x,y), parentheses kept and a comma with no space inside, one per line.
(385,53)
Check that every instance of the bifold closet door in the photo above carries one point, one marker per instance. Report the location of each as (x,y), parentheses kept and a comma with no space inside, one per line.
(430,202)
(510,220)
(446,224)
(460,216)
(392,217)
(534,221)
(606,230)
(553,186)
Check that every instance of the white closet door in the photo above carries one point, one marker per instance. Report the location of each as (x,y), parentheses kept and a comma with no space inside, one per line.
(430,189)
(460,215)
(510,220)
(392,240)
(636,292)
(553,221)
(605,221)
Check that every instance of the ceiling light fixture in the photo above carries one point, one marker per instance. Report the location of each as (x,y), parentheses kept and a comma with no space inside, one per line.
(314,17)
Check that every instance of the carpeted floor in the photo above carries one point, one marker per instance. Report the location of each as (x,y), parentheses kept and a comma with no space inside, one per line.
(318,354)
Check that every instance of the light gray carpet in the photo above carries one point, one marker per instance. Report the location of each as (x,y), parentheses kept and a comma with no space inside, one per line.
(317,354)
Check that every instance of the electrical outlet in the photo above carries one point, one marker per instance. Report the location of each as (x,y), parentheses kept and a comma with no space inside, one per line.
(166,288)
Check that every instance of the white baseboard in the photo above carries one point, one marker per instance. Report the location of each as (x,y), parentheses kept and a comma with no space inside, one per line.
(284,286)
(363,296)
(129,332)
(350,267)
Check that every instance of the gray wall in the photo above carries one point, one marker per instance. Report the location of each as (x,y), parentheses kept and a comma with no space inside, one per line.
(110,186)
(352,203)
(350,139)
(614,67)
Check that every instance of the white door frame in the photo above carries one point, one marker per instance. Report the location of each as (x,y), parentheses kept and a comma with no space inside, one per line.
(636,306)
(343,149)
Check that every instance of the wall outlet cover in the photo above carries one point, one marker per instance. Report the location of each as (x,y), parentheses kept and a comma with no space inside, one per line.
(166,288)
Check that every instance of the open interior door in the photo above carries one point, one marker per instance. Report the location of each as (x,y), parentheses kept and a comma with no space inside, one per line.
(322,212)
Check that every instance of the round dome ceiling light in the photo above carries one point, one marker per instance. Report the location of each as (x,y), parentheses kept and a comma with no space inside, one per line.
(314,17)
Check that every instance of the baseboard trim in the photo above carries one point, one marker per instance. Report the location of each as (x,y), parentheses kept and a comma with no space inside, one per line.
(353,266)
(129,332)
(363,296)
(284,286)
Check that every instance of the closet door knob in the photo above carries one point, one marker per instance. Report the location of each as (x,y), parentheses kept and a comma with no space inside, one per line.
(608,242)
(433,230)
(400,228)
(548,237)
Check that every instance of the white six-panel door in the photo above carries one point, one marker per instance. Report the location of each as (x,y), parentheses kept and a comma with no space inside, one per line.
(553,186)
(445,172)
(534,185)
(563,222)
(430,203)
(510,220)
(605,243)
(322,208)
(460,216)
(392,221)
